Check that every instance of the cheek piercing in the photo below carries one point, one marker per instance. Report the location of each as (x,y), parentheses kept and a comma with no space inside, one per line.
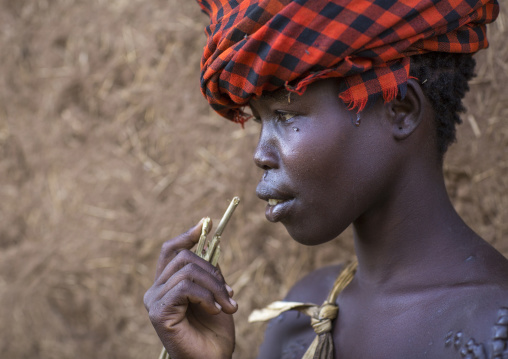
(296,129)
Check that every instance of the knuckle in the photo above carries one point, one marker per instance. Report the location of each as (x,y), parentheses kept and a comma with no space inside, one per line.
(154,311)
(167,247)
(186,258)
(147,299)
(208,297)
(218,274)
(184,285)
(192,271)
(181,258)
(192,268)
(154,315)
(185,255)
(221,290)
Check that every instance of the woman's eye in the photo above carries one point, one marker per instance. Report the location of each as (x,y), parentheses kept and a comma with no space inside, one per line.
(285,116)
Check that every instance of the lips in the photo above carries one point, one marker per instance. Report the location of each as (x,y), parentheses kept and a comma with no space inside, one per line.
(279,202)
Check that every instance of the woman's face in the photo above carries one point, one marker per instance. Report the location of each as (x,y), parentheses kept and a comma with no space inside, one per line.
(322,170)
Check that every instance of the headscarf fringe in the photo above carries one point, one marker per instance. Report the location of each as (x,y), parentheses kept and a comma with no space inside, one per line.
(240,117)
(390,93)
(352,102)
(298,89)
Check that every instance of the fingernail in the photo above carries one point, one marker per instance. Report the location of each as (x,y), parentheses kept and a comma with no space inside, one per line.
(230,290)
(218,306)
(233,303)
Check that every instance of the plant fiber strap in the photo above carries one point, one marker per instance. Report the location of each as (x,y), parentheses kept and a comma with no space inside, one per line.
(321,316)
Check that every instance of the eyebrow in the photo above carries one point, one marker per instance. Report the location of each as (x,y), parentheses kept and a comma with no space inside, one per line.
(281,95)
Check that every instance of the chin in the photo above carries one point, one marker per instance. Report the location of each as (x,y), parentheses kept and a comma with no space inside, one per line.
(308,236)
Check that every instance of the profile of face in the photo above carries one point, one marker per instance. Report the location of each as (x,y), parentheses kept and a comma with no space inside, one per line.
(322,169)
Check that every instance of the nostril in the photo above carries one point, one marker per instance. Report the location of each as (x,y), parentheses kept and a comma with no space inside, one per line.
(264,163)
(266,153)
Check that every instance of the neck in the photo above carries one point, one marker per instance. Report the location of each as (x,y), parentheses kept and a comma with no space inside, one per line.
(417,242)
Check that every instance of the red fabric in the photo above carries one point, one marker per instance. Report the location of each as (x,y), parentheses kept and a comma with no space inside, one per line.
(256,46)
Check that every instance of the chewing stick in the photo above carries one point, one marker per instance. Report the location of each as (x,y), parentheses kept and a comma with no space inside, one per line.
(202,238)
(216,256)
(227,216)
(212,247)
(212,251)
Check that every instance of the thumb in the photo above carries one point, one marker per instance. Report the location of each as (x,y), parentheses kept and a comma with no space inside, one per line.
(173,246)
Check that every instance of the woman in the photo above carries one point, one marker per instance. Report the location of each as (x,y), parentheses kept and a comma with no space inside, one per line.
(426,285)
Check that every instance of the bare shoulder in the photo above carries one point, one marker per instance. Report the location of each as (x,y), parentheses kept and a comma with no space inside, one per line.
(468,320)
(478,324)
(460,321)
(474,312)
(289,335)
(314,287)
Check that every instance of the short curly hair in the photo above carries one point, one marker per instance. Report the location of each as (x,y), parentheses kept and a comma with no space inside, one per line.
(444,79)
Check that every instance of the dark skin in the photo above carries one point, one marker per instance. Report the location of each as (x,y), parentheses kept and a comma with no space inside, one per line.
(422,273)
(190,304)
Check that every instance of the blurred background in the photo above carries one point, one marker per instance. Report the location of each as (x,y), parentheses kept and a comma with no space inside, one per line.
(107,149)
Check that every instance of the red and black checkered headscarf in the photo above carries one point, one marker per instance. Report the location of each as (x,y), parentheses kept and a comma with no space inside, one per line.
(263,45)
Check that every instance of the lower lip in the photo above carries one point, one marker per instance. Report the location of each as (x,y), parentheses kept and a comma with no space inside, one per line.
(279,211)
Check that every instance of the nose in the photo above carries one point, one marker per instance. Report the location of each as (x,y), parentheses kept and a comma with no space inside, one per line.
(266,153)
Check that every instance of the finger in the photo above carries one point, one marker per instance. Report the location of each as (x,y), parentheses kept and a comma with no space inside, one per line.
(173,246)
(171,309)
(183,258)
(230,290)
(202,278)
(175,302)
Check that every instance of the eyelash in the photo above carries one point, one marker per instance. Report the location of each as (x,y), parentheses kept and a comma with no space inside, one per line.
(284,117)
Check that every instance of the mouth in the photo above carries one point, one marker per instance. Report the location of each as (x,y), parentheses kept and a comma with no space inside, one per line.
(279,203)
(279,210)
(274,202)
(272,196)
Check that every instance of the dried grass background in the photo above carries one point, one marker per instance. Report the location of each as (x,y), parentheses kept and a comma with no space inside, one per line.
(107,148)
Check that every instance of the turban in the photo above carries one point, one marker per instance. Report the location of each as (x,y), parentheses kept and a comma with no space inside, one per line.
(255,46)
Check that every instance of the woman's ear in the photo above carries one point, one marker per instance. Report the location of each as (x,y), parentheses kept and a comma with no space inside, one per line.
(406,114)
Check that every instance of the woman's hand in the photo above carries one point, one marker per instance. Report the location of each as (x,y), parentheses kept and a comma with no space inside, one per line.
(190,304)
